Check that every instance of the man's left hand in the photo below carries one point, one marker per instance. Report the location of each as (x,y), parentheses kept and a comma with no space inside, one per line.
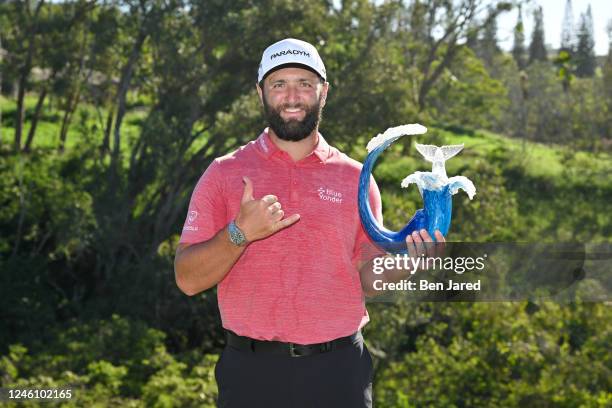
(420,243)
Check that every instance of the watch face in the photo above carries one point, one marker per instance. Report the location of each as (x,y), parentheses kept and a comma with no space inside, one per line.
(236,236)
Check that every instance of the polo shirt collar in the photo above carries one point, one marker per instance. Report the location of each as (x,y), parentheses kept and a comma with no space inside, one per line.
(265,145)
(268,148)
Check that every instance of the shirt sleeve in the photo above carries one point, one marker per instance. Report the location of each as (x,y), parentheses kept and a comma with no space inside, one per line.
(365,249)
(207,208)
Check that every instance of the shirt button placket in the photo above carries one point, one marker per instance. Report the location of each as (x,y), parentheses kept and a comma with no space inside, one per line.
(293,187)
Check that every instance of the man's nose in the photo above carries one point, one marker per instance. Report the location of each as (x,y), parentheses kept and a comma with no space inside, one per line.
(292,95)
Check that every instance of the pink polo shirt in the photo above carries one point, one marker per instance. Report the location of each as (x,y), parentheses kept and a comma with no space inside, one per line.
(301,284)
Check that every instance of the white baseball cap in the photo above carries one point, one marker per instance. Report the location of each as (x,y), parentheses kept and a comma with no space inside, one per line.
(291,51)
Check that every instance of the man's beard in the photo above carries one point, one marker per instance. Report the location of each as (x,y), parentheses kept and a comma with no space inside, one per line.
(292,130)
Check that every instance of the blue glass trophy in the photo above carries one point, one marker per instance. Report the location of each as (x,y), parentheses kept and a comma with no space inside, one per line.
(435,186)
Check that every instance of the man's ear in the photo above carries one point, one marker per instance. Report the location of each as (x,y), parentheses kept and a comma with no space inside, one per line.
(324,90)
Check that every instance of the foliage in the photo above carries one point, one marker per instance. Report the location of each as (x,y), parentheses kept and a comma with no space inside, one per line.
(537,47)
(112,362)
(476,97)
(518,48)
(585,47)
(122,106)
(502,355)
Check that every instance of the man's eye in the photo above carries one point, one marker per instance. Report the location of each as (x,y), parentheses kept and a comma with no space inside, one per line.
(277,85)
(306,84)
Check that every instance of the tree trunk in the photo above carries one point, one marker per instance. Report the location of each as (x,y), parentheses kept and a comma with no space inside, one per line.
(73,101)
(37,110)
(124,85)
(0,89)
(64,129)
(23,200)
(20,107)
(23,77)
(430,80)
(107,131)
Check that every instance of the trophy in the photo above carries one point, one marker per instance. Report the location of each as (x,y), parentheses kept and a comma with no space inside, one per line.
(435,186)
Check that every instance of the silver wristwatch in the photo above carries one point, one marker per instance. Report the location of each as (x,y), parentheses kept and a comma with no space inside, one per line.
(236,235)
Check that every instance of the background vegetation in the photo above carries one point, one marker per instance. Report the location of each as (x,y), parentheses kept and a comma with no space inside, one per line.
(111,110)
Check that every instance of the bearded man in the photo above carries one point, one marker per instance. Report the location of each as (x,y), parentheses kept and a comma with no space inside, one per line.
(275,226)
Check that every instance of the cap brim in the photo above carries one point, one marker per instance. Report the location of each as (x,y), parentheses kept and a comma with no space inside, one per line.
(291,65)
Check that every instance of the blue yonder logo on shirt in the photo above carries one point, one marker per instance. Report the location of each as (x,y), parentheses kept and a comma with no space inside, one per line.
(327,194)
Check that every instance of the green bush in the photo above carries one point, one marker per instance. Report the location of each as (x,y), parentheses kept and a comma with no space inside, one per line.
(114,362)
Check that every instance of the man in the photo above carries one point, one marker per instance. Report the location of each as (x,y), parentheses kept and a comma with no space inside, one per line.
(275,225)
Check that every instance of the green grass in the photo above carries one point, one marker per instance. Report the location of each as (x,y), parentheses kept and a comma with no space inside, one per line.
(85,124)
(535,159)
(561,194)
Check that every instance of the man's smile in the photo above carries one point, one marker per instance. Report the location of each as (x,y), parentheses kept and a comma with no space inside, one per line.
(290,113)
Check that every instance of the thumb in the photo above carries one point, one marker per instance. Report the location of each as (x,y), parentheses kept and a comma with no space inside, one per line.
(247,194)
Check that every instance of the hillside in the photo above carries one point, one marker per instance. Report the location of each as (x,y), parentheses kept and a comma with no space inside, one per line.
(80,308)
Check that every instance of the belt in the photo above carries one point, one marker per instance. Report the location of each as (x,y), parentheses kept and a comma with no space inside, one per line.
(288,349)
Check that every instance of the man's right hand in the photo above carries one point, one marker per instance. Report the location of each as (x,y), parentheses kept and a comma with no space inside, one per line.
(261,218)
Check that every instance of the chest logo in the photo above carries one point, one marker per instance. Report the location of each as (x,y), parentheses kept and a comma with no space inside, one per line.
(191,216)
(327,194)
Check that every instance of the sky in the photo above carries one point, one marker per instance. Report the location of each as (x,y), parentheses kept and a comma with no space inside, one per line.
(554,11)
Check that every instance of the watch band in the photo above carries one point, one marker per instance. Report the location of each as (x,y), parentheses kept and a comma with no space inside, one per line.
(236,235)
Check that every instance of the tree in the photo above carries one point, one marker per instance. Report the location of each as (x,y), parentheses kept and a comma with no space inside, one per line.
(487,47)
(537,49)
(77,71)
(585,48)
(567,29)
(439,31)
(565,58)
(1,60)
(477,99)
(607,78)
(68,53)
(25,26)
(145,17)
(518,49)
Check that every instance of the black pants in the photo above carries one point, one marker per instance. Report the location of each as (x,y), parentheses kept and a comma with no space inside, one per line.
(336,379)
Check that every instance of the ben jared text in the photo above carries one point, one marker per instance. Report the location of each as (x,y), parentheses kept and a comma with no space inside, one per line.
(411,265)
